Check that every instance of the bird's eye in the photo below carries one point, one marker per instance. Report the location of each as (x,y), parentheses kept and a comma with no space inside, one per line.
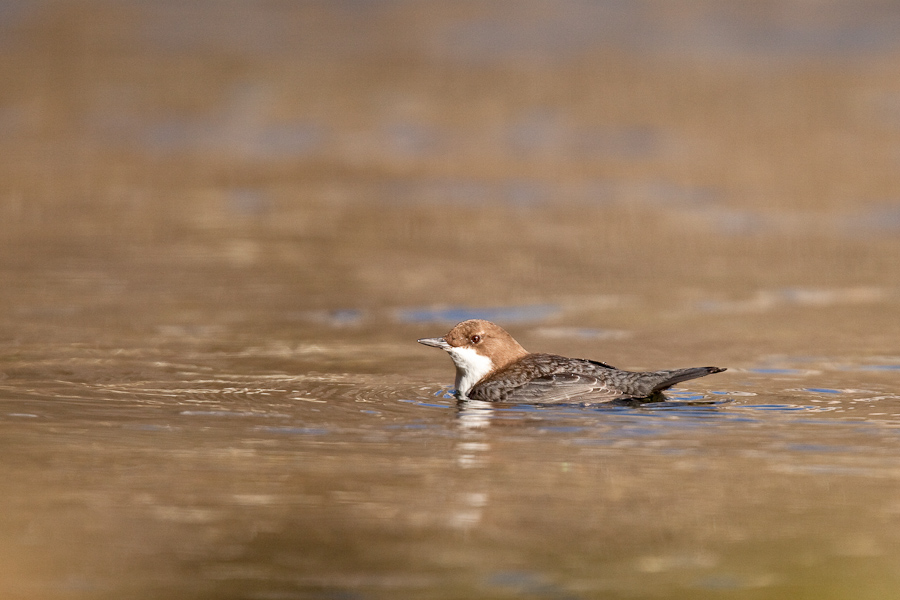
(475,338)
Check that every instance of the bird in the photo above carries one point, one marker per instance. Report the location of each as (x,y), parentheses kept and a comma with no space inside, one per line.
(492,366)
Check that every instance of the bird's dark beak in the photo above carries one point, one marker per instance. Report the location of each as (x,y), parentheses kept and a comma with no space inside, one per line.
(436,342)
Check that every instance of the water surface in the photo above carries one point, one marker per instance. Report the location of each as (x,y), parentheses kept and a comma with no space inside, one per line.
(223,226)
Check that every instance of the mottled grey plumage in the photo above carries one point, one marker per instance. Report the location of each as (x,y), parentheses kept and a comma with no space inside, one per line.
(552,378)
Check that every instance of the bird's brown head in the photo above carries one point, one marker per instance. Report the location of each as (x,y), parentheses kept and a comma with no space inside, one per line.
(480,337)
(487,339)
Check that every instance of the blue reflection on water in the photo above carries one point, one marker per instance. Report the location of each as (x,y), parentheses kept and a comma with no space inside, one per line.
(426,404)
(14,12)
(717,32)
(247,201)
(287,140)
(881,219)
(230,413)
(529,584)
(411,139)
(815,448)
(562,429)
(295,430)
(777,407)
(535,312)
(721,581)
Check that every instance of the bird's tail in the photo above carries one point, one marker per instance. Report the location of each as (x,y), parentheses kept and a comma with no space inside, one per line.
(670,378)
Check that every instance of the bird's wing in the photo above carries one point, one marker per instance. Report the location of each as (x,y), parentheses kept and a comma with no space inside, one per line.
(562,387)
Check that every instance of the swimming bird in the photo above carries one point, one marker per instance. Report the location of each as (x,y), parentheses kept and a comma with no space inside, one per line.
(492,366)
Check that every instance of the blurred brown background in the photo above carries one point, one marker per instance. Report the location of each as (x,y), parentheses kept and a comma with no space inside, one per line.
(272,157)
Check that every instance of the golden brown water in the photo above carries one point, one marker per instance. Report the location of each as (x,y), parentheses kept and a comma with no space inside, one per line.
(224,225)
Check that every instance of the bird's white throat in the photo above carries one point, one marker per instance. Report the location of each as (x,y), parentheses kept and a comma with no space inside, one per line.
(471,367)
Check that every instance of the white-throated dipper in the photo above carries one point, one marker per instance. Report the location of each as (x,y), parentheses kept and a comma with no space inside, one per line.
(492,366)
